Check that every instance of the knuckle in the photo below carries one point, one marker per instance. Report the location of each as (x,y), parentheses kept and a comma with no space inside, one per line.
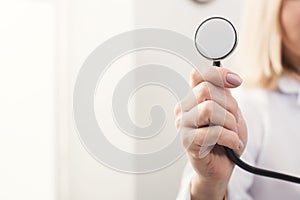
(207,107)
(194,154)
(177,109)
(235,140)
(198,138)
(202,92)
(178,122)
(217,130)
(193,74)
(230,119)
(187,138)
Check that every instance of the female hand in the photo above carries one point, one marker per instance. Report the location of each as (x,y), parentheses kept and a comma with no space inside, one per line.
(209,118)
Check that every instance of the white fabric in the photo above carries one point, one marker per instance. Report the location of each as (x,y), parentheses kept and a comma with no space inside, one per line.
(273,121)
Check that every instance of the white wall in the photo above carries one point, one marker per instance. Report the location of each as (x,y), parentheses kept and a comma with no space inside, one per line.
(27,132)
(85,24)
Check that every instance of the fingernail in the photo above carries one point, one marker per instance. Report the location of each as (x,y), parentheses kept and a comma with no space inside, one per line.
(233,79)
(241,145)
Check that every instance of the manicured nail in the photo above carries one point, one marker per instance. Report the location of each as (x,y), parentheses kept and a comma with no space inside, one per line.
(241,145)
(233,79)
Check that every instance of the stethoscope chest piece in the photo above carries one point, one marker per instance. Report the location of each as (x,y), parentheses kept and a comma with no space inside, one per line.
(215,38)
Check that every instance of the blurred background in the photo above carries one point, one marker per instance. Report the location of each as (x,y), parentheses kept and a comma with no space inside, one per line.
(43,44)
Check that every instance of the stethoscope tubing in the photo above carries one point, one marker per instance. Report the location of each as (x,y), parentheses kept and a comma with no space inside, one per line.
(258,171)
(255,170)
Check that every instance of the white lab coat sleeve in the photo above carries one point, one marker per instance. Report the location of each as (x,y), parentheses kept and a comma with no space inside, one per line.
(239,187)
(187,175)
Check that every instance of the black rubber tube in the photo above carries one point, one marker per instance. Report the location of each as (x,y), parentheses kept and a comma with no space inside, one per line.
(262,172)
(254,170)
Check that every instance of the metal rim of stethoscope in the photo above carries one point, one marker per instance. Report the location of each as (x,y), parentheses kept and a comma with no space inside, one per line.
(233,47)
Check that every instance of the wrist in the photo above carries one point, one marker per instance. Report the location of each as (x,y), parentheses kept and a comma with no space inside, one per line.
(202,188)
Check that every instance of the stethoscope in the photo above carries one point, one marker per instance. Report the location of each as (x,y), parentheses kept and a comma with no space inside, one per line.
(215,39)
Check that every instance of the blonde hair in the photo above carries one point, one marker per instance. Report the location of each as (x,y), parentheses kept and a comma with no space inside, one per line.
(260,51)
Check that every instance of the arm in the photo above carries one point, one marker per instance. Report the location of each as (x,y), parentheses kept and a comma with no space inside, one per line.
(210,190)
(189,191)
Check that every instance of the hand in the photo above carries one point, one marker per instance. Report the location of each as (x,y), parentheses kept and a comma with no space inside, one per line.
(209,118)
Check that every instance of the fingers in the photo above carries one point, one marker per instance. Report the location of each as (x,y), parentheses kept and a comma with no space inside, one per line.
(206,91)
(206,113)
(209,136)
(216,75)
(242,130)
(209,115)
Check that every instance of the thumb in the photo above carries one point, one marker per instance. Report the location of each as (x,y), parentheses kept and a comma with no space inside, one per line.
(231,79)
(218,76)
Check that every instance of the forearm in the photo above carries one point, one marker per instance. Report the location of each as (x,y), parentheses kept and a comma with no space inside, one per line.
(202,190)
